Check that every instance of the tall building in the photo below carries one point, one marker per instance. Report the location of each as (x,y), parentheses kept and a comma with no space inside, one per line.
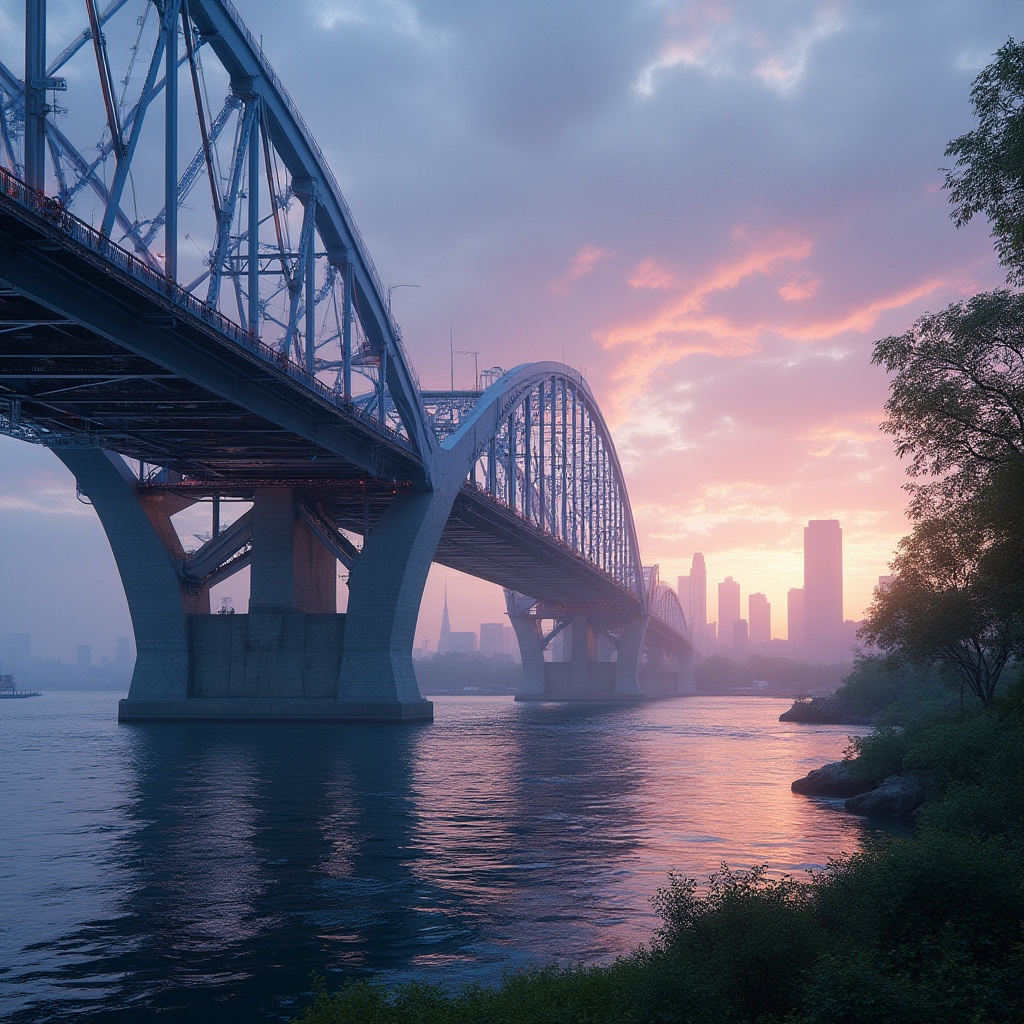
(823,591)
(444,641)
(495,638)
(740,637)
(797,631)
(728,609)
(699,603)
(683,593)
(759,615)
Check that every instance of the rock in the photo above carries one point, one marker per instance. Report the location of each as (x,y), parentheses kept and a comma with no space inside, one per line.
(813,712)
(898,795)
(833,779)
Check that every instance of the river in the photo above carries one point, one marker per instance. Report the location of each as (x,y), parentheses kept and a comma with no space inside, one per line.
(187,870)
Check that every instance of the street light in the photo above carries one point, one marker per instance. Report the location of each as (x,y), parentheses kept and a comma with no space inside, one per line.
(476,366)
(391,288)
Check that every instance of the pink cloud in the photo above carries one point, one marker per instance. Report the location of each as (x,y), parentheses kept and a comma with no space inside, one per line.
(681,315)
(802,286)
(649,274)
(863,318)
(586,258)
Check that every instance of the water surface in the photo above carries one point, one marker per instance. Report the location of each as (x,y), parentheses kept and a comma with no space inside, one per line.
(163,870)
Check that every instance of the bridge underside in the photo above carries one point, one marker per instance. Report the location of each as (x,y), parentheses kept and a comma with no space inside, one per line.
(91,362)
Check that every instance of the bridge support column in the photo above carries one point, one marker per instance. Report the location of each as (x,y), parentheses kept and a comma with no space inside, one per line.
(628,665)
(146,550)
(291,569)
(386,584)
(531,654)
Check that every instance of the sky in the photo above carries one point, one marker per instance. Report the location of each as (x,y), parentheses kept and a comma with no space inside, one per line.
(711,208)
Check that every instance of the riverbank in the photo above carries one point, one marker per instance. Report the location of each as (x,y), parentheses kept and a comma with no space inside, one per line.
(925,929)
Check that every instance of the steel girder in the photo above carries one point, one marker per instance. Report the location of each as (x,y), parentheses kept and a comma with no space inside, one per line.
(318,301)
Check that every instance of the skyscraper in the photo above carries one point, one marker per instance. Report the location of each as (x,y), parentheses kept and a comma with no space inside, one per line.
(444,641)
(683,593)
(759,616)
(699,603)
(728,609)
(823,590)
(797,631)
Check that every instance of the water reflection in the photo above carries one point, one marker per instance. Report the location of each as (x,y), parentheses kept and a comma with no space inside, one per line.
(226,863)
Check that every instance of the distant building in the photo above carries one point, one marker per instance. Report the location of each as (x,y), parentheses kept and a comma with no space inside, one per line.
(461,642)
(698,600)
(710,638)
(759,615)
(683,593)
(444,640)
(740,637)
(823,591)
(495,639)
(796,630)
(728,610)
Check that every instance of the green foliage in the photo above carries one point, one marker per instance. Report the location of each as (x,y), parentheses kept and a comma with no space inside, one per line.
(989,160)
(737,943)
(953,599)
(956,398)
(875,757)
(882,691)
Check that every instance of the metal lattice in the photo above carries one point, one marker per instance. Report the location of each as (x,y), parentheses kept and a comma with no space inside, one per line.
(162,126)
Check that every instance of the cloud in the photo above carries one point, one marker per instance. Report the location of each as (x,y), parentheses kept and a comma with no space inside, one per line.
(649,275)
(783,69)
(710,35)
(395,15)
(586,258)
(863,318)
(802,286)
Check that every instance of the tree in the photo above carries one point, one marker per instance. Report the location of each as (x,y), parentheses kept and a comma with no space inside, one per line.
(956,402)
(956,411)
(989,174)
(952,600)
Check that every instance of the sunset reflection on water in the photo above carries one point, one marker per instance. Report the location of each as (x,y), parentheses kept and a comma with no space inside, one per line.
(230,862)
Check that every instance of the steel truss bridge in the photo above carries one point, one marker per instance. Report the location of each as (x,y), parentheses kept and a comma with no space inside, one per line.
(188,313)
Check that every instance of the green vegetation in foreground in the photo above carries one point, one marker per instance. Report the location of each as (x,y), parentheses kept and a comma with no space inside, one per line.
(925,930)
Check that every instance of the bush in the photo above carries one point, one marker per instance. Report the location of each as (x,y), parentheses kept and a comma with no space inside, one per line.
(875,757)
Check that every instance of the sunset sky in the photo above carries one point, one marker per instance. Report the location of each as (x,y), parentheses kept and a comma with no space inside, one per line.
(712,209)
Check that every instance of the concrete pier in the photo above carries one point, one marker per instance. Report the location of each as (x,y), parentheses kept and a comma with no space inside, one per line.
(283,660)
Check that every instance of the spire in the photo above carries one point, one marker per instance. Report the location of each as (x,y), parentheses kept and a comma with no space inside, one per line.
(444,643)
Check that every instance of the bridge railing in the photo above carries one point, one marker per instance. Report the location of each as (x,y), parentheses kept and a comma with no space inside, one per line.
(14,190)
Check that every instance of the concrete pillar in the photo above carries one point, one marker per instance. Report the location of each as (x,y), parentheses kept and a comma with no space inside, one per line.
(581,654)
(147,551)
(385,588)
(531,654)
(290,569)
(627,679)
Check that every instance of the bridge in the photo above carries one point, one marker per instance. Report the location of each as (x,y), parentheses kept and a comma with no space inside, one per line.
(261,364)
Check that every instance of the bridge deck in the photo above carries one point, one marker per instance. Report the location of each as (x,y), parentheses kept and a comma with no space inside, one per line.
(108,354)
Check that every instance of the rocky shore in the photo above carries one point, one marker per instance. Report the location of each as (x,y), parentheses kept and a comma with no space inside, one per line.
(894,797)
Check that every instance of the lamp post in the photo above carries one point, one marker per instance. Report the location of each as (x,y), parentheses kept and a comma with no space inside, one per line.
(391,288)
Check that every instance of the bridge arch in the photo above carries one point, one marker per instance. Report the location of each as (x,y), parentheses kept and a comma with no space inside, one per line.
(537,444)
(271,329)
